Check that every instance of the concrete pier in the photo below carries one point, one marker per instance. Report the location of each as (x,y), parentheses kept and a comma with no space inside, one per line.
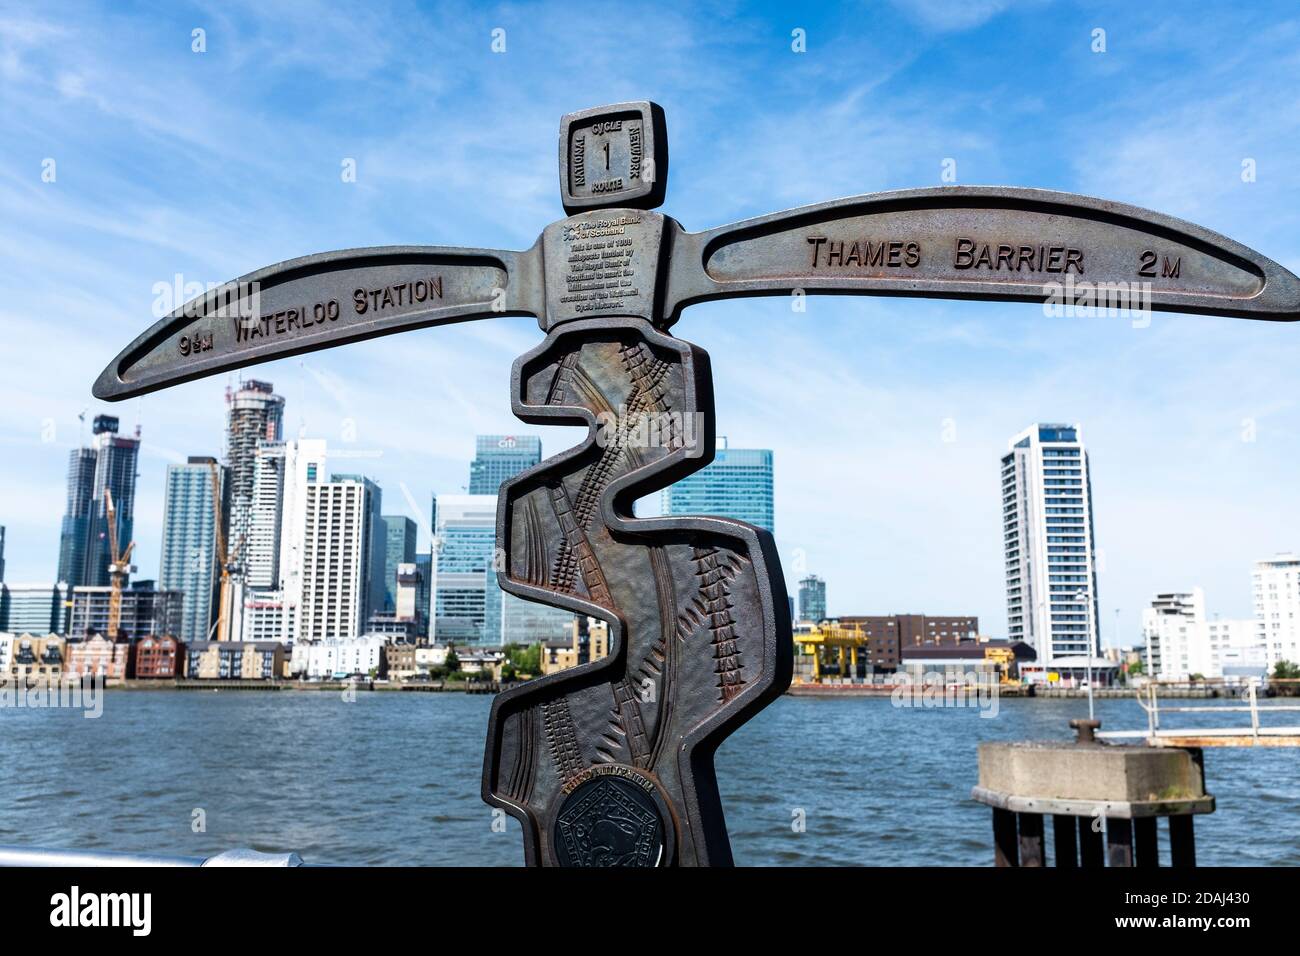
(1104,800)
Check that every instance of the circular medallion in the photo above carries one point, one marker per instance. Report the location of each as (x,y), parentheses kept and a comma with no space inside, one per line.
(611,819)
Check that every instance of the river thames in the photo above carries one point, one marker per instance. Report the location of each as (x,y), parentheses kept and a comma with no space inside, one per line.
(393,778)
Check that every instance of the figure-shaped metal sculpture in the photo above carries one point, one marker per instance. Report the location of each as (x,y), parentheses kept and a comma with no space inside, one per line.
(611,762)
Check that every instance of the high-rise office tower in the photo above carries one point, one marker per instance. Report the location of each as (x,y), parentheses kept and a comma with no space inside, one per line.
(1048,543)
(75,532)
(464,543)
(498,457)
(189,542)
(399,549)
(1276,585)
(254,414)
(424,591)
(2,553)
(304,466)
(334,550)
(36,609)
(115,469)
(737,484)
(812,599)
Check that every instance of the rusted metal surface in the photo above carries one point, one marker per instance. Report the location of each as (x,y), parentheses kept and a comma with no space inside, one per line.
(611,763)
(696,610)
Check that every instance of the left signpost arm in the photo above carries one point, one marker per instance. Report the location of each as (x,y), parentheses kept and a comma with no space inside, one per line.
(321,301)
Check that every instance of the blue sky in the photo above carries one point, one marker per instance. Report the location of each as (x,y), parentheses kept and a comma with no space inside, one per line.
(211,165)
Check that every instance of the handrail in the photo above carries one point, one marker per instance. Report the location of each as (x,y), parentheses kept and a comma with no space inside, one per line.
(1253,707)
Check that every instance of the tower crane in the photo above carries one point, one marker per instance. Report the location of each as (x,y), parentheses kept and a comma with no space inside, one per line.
(225,561)
(119,568)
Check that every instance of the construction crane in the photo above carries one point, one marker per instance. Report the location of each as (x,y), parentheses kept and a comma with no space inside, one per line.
(224,561)
(119,568)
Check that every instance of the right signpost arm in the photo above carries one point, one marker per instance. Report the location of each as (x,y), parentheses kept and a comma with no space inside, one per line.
(982,242)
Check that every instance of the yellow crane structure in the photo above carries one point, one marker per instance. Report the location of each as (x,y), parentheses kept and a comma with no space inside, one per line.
(224,561)
(844,640)
(119,569)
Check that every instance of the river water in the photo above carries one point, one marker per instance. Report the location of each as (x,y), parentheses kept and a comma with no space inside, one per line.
(393,778)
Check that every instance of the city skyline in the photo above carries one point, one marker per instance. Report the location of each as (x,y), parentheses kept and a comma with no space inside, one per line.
(887,415)
(393,538)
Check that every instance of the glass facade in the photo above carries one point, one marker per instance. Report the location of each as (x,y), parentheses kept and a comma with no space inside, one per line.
(399,549)
(75,532)
(36,609)
(499,457)
(189,543)
(464,545)
(738,484)
(512,620)
(812,599)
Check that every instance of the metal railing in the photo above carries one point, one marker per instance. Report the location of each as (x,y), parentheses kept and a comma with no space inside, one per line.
(1252,706)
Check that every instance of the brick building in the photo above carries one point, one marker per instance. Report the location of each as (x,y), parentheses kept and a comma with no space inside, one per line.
(97,656)
(889,634)
(159,658)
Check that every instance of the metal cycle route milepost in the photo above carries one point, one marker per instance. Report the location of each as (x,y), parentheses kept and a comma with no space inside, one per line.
(611,762)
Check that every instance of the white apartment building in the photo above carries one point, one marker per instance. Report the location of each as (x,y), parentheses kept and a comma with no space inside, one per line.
(1235,648)
(1182,642)
(304,464)
(343,658)
(1276,586)
(333,560)
(1173,629)
(1048,546)
(263,616)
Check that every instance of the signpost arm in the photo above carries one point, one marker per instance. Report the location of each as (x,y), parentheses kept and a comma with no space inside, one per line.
(982,242)
(321,301)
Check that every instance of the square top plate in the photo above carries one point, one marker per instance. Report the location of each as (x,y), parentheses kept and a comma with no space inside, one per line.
(614,156)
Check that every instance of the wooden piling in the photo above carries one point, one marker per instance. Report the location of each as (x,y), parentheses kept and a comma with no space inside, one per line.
(1065,843)
(1182,841)
(1148,852)
(1004,838)
(1031,839)
(1119,842)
